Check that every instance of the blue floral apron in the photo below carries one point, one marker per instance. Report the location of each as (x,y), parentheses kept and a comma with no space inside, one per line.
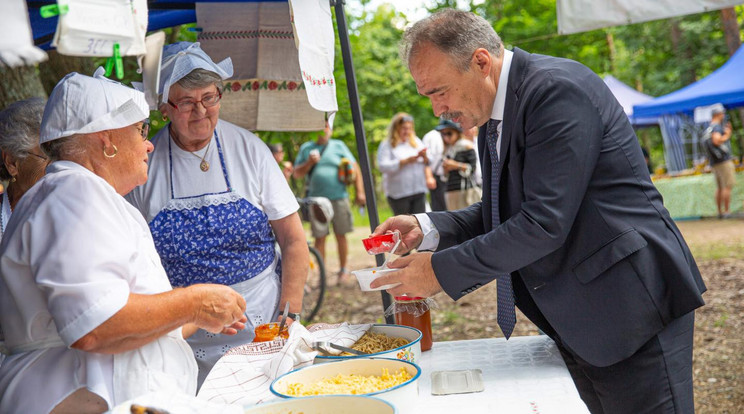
(219,238)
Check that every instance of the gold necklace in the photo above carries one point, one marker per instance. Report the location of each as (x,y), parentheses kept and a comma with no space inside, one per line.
(203,165)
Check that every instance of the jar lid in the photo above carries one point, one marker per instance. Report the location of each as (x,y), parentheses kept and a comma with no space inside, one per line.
(408,298)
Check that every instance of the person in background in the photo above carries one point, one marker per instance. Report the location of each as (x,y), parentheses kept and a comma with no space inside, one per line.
(434,151)
(570,226)
(403,162)
(277,150)
(459,165)
(471,134)
(89,316)
(21,162)
(717,144)
(320,161)
(217,202)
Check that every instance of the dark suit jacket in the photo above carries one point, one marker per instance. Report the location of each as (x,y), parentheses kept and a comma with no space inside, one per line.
(582,224)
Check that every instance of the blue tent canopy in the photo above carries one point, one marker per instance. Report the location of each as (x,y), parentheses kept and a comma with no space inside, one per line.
(725,85)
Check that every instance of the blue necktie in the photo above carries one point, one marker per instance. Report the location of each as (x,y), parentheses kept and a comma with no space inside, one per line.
(506,316)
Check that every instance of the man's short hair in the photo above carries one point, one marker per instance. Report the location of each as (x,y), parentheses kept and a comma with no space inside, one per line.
(454,32)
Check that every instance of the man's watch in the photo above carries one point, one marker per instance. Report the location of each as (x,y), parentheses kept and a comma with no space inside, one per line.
(294,316)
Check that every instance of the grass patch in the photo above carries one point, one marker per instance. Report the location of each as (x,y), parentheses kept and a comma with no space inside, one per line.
(715,251)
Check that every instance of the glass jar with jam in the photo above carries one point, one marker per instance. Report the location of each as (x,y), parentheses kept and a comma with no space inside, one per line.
(269,332)
(414,312)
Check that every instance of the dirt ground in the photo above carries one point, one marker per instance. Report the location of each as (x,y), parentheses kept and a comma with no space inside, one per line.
(719,341)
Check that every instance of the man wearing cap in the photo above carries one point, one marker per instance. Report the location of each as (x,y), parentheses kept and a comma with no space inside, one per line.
(717,143)
(435,151)
(88,314)
(217,203)
(570,228)
(319,161)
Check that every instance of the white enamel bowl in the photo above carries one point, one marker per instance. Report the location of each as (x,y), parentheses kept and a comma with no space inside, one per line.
(337,404)
(403,396)
(410,352)
(366,276)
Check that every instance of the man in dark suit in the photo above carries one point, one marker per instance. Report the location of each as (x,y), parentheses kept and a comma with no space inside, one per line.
(570,225)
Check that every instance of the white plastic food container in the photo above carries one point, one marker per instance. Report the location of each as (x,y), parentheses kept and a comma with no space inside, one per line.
(410,352)
(366,276)
(337,404)
(402,396)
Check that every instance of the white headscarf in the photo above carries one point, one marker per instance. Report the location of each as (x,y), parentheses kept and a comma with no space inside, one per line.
(82,104)
(180,59)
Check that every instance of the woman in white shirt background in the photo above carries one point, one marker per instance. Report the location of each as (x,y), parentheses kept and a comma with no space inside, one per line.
(21,160)
(402,160)
(90,319)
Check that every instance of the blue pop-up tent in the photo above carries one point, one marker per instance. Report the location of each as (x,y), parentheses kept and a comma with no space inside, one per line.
(725,85)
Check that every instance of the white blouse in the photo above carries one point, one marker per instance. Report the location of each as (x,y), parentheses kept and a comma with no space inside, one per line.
(74,251)
(397,181)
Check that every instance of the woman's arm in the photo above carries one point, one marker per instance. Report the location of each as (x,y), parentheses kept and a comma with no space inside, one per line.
(295,260)
(215,308)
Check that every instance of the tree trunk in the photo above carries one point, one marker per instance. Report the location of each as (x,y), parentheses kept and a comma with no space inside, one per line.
(677,44)
(611,47)
(19,83)
(54,69)
(730,30)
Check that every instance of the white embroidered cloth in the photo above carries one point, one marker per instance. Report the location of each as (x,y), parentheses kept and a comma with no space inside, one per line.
(316,44)
(16,42)
(243,375)
(266,91)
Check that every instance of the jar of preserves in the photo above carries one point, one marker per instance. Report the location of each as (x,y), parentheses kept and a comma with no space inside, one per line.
(269,332)
(414,312)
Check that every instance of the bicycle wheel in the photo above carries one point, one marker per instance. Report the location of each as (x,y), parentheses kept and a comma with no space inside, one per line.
(314,286)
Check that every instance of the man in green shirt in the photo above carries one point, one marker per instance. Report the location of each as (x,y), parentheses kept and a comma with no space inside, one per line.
(319,161)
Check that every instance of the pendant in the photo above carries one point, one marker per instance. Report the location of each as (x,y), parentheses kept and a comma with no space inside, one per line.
(204,166)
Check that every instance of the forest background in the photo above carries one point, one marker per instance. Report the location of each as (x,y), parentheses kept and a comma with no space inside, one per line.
(656,57)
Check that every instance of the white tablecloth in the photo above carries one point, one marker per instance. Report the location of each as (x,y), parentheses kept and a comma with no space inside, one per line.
(522,375)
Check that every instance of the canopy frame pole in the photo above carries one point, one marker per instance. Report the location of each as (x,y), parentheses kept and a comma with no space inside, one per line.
(361,140)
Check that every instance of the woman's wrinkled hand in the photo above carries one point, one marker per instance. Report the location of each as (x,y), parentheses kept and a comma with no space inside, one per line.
(218,309)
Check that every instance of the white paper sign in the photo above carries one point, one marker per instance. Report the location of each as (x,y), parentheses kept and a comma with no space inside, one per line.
(91,27)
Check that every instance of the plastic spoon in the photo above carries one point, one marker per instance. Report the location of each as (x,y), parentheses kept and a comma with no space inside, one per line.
(392,252)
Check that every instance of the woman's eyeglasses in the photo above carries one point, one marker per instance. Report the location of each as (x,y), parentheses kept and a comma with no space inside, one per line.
(448,133)
(187,105)
(145,129)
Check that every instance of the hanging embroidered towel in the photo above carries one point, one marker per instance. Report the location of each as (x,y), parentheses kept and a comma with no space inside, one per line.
(266,91)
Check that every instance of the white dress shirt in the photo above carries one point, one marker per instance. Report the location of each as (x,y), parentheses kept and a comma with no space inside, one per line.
(401,181)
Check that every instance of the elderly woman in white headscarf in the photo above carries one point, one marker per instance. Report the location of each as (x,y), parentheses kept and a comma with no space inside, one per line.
(89,316)
(215,201)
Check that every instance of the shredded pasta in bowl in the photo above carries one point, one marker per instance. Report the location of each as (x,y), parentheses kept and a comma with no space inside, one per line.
(392,380)
(384,341)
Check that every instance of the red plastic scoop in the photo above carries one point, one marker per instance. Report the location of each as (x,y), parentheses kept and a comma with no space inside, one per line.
(383,243)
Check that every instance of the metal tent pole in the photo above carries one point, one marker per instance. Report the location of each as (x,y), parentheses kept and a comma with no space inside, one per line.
(361,140)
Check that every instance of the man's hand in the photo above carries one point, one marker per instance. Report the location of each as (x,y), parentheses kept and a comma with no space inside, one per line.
(314,157)
(409,228)
(416,276)
(218,309)
(361,199)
